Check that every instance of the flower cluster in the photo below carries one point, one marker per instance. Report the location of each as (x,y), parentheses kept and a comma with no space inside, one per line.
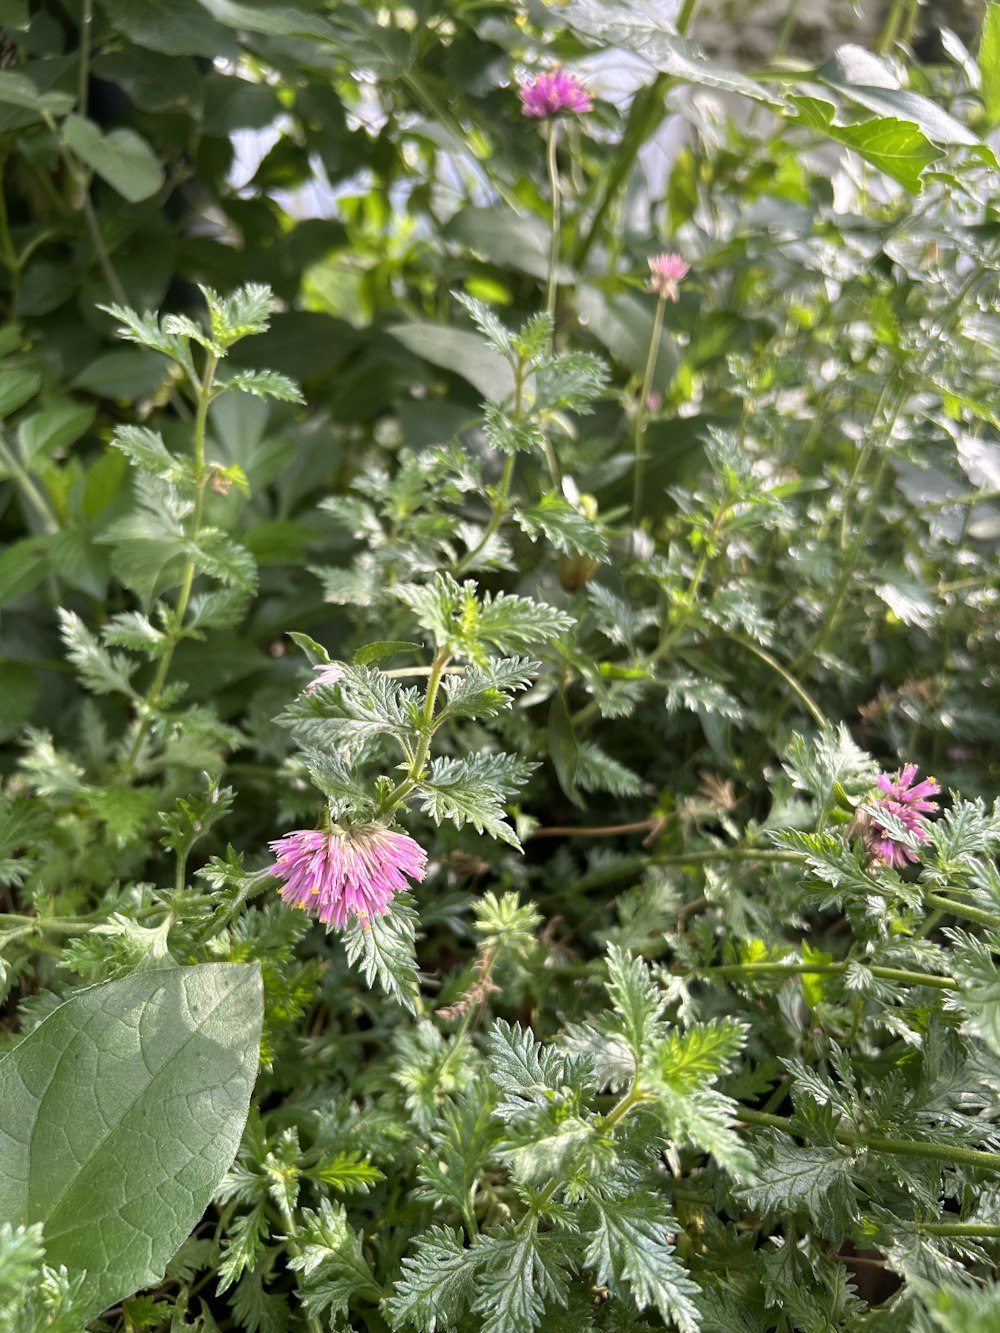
(665,272)
(348,871)
(549,94)
(907,800)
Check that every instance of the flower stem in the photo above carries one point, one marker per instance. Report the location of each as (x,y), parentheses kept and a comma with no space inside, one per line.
(553,165)
(686,15)
(935,1152)
(187,579)
(642,411)
(905,978)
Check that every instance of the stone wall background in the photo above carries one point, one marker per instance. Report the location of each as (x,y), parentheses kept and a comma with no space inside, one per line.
(746,32)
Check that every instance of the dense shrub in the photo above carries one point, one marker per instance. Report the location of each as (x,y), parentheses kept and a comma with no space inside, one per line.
(555,506)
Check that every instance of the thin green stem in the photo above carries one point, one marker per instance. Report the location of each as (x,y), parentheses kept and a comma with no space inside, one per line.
(295,1249)
(86,19)
(423,749)
(738,971)
(963,910)
(891,28)
(935,1152)
(496,518)
(984,1229)
(190,569)
(8,253)
(686,15)
(553,166)
(797,688)
(32,495)
(632,1098)
(642,410)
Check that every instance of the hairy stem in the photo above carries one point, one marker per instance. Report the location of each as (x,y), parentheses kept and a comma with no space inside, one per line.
(642,411)
(935,1152)
(739,971)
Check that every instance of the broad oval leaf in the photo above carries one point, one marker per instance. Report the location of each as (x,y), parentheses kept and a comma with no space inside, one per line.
(467,354)
(121,157)
(122,1111)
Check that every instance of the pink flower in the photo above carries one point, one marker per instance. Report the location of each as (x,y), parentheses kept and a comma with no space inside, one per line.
(329,674)
(348,871)
(908,802)
(548,94)
(665,272)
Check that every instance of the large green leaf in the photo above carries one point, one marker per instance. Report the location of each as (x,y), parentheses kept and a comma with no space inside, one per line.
(465,353)
(174,27)
(619,24)
(863,78)
(989,64)
(120,157)
(896,147)
(503,238)
(122,1111)
(17,89)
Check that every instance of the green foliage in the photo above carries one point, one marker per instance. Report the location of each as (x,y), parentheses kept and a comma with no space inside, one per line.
(355,487)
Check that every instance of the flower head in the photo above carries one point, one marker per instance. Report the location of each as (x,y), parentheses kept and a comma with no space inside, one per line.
(352,870)
(329,674)
(665,272)
(548,94)
(907,801)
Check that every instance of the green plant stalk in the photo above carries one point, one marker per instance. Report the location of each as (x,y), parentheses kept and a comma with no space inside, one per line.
(294,1248)
(634,1097)
(190,569)
(553,167)
(984,1229)
(963,910)
(7,251)
(686,15)
(423,749)
(797,688)
(86,20)
(496,518)
(642,410)
(891,28)
(935,1152)
(740,970)
(27,487)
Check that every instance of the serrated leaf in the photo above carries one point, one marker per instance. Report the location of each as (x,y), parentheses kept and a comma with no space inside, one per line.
(331,1263)
(485,690)
(384,650)
(131,629)
(148,1145)
(565,527)
(638,1003)
(474,791)
(262,384)
(465,624)
(971,963)
(145,448)
(347,1172)
(816,1181)
(628,1245)
(437,1282)
(518,1273)
(101,671)
(382,949)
